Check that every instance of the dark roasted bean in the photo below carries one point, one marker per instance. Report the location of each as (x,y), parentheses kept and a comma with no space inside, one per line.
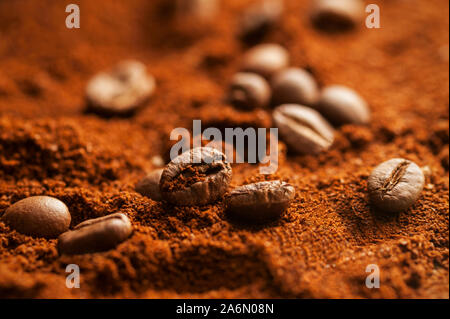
(342,105)
(294,86)
(249,91)
(260,202)
(303,129)
(39,216)
(341,15)
(121,90)
(149,185)
(95,235)
(259,19)
(265,59)
(395,185)
(195,178)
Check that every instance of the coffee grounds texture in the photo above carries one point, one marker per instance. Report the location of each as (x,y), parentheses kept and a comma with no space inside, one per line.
(320,248)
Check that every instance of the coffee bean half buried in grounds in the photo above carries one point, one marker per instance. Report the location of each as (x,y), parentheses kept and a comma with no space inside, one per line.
(395,185)
(121,90)
(249,91)
(342,105)
(95,235)
(149,185)
(335,16)
(294,86)
(258,19)
(38,216)
(303,129)
(195,178)
(265,59)
(260,202)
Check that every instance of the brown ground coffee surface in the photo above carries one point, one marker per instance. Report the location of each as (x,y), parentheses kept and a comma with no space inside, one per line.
(322,245)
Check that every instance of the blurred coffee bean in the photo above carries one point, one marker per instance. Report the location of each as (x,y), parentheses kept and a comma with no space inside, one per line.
(195,178)
(260,202)
(249,91)
(395,185)
(335,16)
(95,235)
(265,59)
(342,105)
(149,185)
(294,86)
(258,19)
(303,129)
(121,90)
(38,216)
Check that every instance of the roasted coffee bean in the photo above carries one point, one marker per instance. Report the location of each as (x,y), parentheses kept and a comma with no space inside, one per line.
(38,216)
(303,129)
(341,105)
(395,185)
(259,19)
(332,15)
(121,90)
(149,185)
(294,86)
(95,235)
(249,91)
(195,178)
(260,202)
(265,59)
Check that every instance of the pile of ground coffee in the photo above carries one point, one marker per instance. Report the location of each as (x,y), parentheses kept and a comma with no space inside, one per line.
(51,145)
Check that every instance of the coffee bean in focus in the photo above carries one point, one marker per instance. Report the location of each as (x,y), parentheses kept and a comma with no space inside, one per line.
(38,216)
(260,202)
(195,178)
(395,185)
(95,235)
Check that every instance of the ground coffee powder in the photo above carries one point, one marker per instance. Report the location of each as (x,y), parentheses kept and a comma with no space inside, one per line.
(322,244)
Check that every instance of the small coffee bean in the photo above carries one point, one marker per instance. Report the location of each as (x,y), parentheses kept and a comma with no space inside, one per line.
(258,19)
(38,216)
(260,202)
(342,105)
(395,185)
(195,178)
(294,86)
(249,91)
(121,90)
(265,59)
(95,235)
(332,15)
(303,129)
(149,185)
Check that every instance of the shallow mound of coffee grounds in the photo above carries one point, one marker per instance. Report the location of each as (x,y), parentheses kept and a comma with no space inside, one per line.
(319,249)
